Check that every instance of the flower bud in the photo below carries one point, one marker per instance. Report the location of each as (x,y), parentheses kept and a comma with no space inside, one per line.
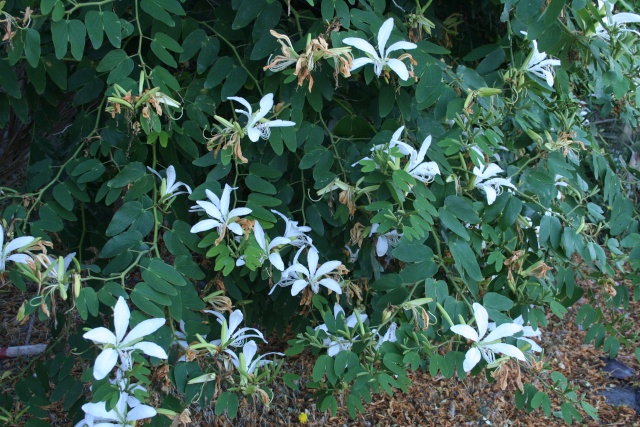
(77,285)
(489,91)
(388,313)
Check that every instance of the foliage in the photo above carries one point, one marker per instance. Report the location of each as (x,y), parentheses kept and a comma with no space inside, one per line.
(415,184)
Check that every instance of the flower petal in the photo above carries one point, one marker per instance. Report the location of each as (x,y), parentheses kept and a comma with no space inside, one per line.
(235,228)
(280,123)
(508,350)
(399,46)
(18,243)
(249,350)
(101,336)
(504,330)
(383,36)
(235,319)
(471,359)
(297,286)
(204,225)
(482,318)
(361,44)
(253,133)
(141,412)
(241,101)
(399,68)
(327,267)
(19,258)
(276,261)
(151,349)
(331,284)
(225,199)
(258,233)
(144,328)
(121,316)
(105,363)
(382,246)
(312,261)
(239,212)
(466,331)
(266,103)
(359,62)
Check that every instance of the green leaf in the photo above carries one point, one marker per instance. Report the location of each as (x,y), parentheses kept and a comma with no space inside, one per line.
(260,185)
(452,223)
(63,196)
(125,217)
(118,63)
(93,22)
(227,401)
(8,80)
(461,209)
(497,302)
(120,243)
(130,173)
(412,253)
(553,11)
(143,303)
(32,47)
(247,12)
(465,259)
(161,10)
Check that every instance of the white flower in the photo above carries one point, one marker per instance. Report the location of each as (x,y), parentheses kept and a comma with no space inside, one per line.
(218,209)
(353,256)
(170,185)
(229,336)
(418,168)
(527,333)
(295,232)
(389,336)
(96,414)
(17,243)
(114,345)
(485,348)
(55,273)
(167,100)
(258,126)
(380,61)
(617,21)
(560,183)
(541,66)
(385,241)
(274,257)
(299,277)
(404,148)
(492,187)
(337,344)
(245,363)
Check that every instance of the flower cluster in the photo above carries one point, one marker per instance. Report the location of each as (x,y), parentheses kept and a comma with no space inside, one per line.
(382,60)
(416,166)
(485,181)
(486,347)
(116,345)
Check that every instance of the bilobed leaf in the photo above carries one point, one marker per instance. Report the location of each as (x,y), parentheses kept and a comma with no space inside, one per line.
(8,80)
(465,259)
(32,47)
(63,196)
(120,243)
(125,217)
(247,12)
(412,253)
(94,23)
(127,175)
(161,10)
(452,223)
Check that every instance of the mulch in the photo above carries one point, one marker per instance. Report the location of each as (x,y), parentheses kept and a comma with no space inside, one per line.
(430,401)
